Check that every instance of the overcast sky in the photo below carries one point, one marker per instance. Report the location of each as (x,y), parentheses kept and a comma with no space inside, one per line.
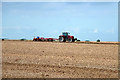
(84,20)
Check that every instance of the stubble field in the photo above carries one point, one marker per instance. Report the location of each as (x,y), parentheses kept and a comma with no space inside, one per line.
(24,59)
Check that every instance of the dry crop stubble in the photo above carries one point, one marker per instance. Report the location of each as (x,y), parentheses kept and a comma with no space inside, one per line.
(22,59)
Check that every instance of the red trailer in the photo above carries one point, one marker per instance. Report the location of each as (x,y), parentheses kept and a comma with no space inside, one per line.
(44,39)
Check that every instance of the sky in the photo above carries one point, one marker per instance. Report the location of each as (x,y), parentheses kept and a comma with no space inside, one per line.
(84,20)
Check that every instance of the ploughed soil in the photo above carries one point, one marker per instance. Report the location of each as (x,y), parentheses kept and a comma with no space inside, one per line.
(27,59)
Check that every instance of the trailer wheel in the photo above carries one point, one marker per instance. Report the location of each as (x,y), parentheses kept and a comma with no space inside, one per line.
(51,40)
(48,40)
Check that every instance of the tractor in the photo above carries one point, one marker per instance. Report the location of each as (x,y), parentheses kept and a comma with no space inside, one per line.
(66,37)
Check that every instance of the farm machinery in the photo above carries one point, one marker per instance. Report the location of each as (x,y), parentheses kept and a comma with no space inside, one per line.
(44,39)
(65,37)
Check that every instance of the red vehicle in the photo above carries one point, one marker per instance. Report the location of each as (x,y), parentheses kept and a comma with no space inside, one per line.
(62,38)
(49,39)
(44,39)
(65,37)
(38,39)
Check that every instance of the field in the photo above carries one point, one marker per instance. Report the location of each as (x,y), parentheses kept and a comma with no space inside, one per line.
(27,59)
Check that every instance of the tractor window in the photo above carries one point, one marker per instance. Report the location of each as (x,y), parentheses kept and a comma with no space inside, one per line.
(65,34)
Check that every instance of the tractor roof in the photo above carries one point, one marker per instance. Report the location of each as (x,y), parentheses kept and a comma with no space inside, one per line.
(65,32)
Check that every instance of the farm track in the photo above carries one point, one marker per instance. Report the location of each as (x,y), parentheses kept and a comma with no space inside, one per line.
(28,59)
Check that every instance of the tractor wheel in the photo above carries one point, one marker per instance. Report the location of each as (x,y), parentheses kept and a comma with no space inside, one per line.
(70,40)
(61,39)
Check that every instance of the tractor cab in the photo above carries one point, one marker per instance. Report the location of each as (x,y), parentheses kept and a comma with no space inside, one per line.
(65,33)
